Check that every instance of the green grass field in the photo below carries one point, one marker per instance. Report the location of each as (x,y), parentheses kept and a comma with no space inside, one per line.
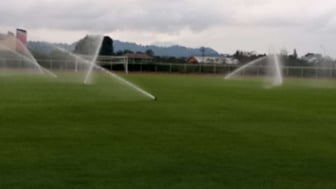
(202,132)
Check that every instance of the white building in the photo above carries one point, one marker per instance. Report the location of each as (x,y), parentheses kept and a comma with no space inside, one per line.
(212,60)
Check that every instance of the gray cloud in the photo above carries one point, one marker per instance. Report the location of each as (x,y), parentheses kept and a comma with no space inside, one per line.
(221,23)
(159,16)
(163,16)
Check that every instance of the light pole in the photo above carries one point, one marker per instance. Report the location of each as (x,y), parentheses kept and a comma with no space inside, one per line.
(203,52)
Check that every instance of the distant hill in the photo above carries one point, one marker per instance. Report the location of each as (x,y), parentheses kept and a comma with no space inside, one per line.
(169,51)
(47,47)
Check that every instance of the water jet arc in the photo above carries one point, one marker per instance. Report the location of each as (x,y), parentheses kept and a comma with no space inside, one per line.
(273,69)
(31,59)
(92,65)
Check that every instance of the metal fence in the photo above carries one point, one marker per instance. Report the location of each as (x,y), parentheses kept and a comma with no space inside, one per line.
(223,69)
(287,71)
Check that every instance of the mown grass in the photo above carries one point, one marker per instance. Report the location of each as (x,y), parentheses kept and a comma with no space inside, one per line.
(202,132)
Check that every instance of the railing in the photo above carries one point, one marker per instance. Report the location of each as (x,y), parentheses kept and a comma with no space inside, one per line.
(223,69)
(287,71)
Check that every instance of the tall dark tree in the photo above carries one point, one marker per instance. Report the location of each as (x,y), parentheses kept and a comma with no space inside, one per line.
(150,52)
(295,55)
(107,46)
(89,44)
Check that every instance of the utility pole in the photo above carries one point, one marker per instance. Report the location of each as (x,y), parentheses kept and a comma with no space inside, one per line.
(203,52)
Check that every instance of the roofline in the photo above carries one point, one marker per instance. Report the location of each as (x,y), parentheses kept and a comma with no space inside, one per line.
(22,30)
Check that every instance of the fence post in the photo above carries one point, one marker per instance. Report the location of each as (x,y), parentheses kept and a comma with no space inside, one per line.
(331,73)
(76,65)
(126,67)
(185,67)
(258,71)
(170,67)
(50,64)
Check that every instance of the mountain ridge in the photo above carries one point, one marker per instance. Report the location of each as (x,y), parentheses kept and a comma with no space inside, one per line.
(119,46)
(172,50)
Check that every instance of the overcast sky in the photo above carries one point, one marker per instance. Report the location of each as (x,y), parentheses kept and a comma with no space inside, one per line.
(225,25)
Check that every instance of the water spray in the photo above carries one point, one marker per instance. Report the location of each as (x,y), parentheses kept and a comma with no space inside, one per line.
(111,74)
